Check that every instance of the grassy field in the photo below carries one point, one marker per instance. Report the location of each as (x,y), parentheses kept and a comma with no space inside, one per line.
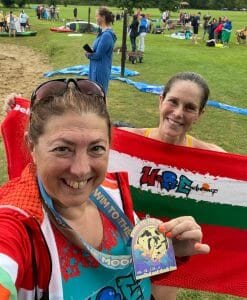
(224,69)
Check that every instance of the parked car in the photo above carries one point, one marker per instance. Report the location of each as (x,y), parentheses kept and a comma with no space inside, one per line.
(243,9)
(78,26)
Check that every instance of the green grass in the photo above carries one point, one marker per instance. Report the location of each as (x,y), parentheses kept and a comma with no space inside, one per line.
(224,69)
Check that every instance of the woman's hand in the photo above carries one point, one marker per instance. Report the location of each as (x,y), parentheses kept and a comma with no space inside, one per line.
(186,235)
(9,102)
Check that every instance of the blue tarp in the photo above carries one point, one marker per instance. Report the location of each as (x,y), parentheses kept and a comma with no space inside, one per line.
(82,70)
(142,86)
(234,109)
(157,89)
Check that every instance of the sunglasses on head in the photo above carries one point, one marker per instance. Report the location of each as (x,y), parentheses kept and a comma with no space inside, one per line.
(58,87)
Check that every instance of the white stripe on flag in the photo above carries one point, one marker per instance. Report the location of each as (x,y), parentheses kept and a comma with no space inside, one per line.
(224,190)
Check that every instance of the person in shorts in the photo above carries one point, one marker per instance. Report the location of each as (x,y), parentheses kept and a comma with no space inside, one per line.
(2,21)
(195,23)
(23,19)
(11,20)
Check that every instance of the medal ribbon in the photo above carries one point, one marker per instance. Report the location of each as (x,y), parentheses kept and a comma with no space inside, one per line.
(108,206)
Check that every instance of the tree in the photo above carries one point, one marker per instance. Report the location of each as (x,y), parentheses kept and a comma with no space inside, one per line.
(241,3)
(8,3)
(131,4)
(21,3)
(168,5)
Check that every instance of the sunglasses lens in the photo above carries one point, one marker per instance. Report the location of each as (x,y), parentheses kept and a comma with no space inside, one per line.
(90,88)
(50,88)
(58,87)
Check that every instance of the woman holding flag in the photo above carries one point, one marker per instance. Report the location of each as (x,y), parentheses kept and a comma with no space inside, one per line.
(181,105)
(56,240)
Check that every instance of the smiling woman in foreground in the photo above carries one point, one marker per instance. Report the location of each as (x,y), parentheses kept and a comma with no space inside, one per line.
(55,238)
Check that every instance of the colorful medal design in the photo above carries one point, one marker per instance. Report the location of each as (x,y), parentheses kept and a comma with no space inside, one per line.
(152,251)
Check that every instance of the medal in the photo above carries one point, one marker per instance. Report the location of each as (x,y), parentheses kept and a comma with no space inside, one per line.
(152,251)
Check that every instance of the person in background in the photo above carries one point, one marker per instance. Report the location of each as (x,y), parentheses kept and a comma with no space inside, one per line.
(101,58)
(205,26)
(212,25)
(11,23)
(187,33)
(138,12)
(23,19)
(181,105)
(143,27)
(54,234)
(52,12)
(195,23)
(133,32)
(165,17)
(218,31)
(226,32)
(38,12)
(2,21)
(75,13)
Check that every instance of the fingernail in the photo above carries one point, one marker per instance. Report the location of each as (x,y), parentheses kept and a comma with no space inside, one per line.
(198,246)
(169,234)
(162,228)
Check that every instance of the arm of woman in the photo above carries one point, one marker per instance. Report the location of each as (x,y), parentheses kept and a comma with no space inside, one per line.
(14,249)
(105,44)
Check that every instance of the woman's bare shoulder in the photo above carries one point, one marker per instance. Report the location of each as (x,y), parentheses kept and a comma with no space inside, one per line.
(206,146)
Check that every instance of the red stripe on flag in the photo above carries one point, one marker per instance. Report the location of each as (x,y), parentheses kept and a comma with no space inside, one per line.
(202,161)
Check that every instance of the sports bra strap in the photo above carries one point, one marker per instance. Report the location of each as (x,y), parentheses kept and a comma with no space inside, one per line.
(147,132)
(189,141)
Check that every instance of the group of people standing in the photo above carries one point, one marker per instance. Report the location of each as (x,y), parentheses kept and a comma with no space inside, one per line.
(12,23)
(47,12)
(138,27)
(220,30)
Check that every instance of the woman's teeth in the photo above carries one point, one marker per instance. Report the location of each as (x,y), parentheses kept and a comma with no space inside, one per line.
(76,184)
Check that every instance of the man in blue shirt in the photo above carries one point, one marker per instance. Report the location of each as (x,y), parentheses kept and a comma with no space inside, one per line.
(143,27)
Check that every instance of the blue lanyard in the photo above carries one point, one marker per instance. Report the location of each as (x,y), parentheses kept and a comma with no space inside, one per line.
(109,207)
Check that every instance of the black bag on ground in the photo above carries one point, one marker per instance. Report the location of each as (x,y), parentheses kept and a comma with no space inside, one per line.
(210,43)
